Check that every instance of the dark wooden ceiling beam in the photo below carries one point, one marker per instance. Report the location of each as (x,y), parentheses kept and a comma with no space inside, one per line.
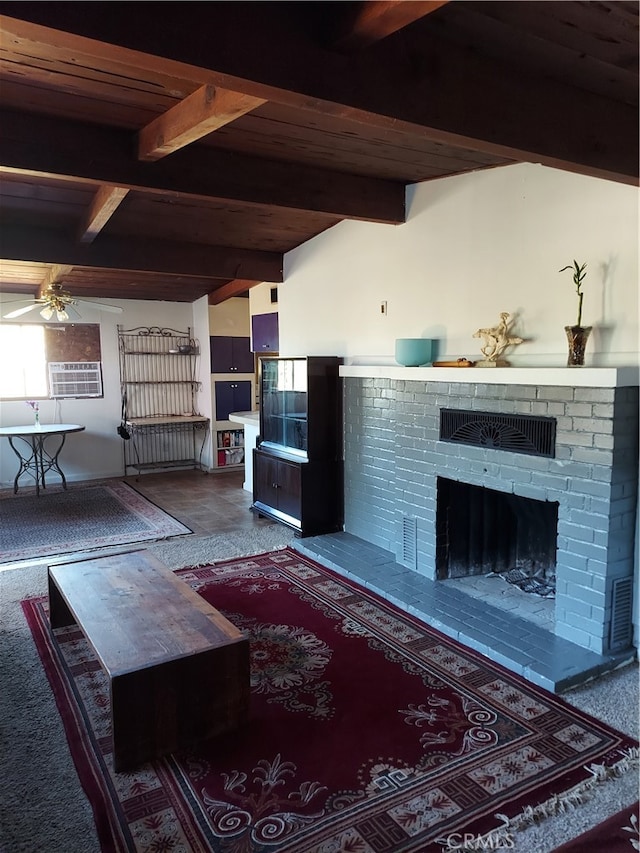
(231,288)
(105,203)
(127,284)
(40,245)
(415,80)
(202,112)
(89,153)
(374,20)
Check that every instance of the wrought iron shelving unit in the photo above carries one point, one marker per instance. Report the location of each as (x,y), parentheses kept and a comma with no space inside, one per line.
(158,383)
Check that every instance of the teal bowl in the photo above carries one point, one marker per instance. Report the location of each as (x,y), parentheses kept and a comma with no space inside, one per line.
(412,352)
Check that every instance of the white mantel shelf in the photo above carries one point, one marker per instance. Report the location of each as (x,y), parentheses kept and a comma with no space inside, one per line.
(575,377)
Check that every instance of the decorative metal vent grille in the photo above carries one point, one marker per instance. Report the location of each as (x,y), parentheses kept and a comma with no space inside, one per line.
(530,434)
(75,379)
(621,613)
(409,556)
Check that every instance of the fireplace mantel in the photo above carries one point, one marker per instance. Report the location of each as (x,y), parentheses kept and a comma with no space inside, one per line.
(574,377)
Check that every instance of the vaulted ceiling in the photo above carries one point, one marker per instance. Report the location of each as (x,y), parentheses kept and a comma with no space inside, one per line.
(176,149)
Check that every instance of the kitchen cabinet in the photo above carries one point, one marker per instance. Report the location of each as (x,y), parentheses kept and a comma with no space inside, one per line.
(265,333)
(231,359)
(231,354)
(231,396)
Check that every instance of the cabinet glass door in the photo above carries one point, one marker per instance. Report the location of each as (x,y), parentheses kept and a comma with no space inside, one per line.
(284,403)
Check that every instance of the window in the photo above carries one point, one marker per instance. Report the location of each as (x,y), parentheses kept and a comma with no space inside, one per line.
(22,354)
(27,350)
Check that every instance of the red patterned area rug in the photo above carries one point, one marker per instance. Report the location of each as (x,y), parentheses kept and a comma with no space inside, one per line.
(369,731)
(618,834)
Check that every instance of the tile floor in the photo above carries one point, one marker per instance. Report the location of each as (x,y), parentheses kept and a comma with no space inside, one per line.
(207,503)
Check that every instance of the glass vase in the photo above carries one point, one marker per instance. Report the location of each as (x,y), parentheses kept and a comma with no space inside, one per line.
(37,421)
(577,336)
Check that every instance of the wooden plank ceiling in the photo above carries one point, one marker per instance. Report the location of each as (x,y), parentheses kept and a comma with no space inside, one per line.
(172,150)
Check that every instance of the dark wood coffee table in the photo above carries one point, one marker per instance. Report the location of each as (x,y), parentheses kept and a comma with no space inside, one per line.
(178,670)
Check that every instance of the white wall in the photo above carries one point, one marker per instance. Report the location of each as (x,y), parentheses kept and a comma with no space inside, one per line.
(231,318)
(96,452)
(204,402)
(260,299)
(473,246)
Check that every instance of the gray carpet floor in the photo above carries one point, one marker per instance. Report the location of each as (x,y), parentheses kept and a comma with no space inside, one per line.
(42,806)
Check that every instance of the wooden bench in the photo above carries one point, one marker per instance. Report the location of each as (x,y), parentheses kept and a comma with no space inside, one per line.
(178,670)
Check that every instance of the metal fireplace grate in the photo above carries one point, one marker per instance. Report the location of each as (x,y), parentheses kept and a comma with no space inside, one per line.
(530,434)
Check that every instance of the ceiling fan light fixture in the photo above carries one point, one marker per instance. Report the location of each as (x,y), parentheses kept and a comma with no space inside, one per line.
(55,301)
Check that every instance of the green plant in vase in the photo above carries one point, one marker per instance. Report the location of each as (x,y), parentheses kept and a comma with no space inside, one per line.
(578,335)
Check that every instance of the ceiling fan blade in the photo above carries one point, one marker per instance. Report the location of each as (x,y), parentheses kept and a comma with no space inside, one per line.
(19,311)
(99,306)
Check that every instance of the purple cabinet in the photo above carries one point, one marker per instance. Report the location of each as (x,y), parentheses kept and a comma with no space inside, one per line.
(264,333)
(231,354)
(232,396)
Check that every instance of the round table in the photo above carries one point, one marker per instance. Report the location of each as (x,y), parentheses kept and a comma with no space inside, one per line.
(34,458)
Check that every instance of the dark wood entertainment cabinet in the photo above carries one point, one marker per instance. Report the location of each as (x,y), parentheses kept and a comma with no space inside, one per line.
(297,462)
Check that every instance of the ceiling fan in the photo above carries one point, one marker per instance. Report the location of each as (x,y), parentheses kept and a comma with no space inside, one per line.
(56,300)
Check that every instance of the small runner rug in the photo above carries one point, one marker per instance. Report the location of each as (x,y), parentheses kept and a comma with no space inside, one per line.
(369,731)
(79,519)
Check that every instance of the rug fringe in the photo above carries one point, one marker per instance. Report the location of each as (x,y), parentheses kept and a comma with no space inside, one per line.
(574,797)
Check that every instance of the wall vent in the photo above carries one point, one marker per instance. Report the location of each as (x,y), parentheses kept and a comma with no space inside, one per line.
(530,434)
(621,614)
(75,379)
(409,555)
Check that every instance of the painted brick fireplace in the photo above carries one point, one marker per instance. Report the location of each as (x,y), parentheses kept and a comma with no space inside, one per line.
(394,458)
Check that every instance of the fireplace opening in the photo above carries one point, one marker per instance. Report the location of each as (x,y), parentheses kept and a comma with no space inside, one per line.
(482,531)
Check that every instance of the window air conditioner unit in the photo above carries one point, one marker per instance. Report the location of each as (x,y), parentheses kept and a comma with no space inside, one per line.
(75,379)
